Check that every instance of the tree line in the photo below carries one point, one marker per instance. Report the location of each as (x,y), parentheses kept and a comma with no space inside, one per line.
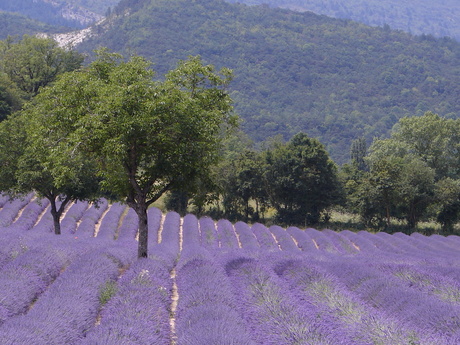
(412,176)
(114,129)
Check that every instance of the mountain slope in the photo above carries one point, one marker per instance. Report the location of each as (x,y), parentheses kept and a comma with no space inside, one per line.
(438,18)
(76,14)
(12,24)
(333,79)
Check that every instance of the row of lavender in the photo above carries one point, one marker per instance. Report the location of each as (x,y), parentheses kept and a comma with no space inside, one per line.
(236,284)
(119,222)
(316,287)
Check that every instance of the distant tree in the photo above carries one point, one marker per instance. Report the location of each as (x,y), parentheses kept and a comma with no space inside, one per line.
(146,136)
(425,152)
(33,63)
(382,189)
(177,201)
(35,156)
(301,180)
(242,183)
(358,152)
(417,190)
(448,199)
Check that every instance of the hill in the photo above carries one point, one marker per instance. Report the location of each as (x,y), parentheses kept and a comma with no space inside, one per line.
(12,24)
(208,282)
(74,14)
(333,79)
(437,18)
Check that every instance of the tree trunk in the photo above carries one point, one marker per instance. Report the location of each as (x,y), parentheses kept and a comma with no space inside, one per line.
(57,213)
(141,211)
(56,217)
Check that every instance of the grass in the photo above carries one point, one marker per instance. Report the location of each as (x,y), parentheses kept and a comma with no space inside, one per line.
(107,291)
(340,220)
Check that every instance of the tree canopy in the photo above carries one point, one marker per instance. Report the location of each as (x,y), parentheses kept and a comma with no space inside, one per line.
(301,180)
(33,62)
(145,136)
(413,175)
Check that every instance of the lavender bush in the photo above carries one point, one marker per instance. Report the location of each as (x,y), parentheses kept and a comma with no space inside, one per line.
(138,313)
(90,218)
(206,309)
(283,238)
(209,237)
(226,234)
(246,236)
(264,237)
(109,224)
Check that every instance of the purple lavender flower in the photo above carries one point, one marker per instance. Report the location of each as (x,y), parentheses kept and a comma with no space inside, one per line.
(208,232)
(127,231)
(264,237)
(89,219)
(69,307)
(11,208)
(70,220)
(110,222)
(246,236)
(191,231)
(283,238)
(226,234)
(206,308)
(138,313)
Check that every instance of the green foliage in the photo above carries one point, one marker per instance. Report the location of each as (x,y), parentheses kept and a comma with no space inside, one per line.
(33,63)
(145,136)
(107,291)
(177,201)
(448,199)
(10,97)
(34,143)
(333,79)
(413,175)
(242,184)
(415,16)
(13,24)
(434,139)
(358,152)
(301,180)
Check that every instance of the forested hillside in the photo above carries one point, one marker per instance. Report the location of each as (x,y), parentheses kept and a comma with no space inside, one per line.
(438,18)
(12,24)
(76,14)
(335,80)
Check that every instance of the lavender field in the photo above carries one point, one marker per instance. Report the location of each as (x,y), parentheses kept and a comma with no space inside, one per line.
(208,282)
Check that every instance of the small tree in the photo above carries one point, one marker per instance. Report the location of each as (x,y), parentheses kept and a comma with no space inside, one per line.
(33,159)
(146,136)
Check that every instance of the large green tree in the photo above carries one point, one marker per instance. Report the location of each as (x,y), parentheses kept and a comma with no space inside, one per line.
(301,180)
(10,97)
(146,136)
